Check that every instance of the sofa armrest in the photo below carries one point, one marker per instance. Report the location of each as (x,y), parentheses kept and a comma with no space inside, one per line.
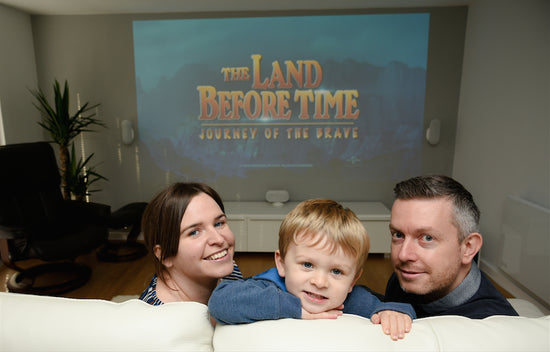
(525,308)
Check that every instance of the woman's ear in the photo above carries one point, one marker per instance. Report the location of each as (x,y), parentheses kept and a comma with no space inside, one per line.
(470,247)
(158,253)
(280,263)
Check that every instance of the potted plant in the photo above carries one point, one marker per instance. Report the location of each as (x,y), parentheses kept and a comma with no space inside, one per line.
(63,127)
(81,176)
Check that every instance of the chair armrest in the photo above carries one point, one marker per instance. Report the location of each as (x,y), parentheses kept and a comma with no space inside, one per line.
(98,212)
(10,233)
(12,243)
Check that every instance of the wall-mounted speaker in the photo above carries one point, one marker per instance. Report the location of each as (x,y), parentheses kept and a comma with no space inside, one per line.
(277,197)
(433,132)
(127,132)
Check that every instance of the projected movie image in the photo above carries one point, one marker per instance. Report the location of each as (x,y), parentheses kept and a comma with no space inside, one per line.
(225,97)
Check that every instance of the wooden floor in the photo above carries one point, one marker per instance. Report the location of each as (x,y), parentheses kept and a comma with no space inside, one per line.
(132,277)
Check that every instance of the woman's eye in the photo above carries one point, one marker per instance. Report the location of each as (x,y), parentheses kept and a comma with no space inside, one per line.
(219,224)
(194,233)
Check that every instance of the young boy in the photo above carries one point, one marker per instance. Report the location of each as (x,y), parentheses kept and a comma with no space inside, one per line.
(322,250)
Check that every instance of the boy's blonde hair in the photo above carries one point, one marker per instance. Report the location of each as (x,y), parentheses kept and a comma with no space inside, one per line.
(339,225)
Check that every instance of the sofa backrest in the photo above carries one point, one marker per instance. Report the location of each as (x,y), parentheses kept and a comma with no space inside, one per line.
(354,333)
(40,323)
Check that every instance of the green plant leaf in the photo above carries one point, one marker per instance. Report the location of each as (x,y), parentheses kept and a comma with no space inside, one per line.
(81,176)
(56,118)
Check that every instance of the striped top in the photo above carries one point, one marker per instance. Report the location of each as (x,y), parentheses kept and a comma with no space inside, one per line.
(150,293)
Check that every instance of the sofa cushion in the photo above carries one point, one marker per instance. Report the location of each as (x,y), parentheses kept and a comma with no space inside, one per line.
(353,333)
(40,323)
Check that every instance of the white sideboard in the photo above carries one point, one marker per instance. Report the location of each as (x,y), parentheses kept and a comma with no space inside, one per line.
(256,224)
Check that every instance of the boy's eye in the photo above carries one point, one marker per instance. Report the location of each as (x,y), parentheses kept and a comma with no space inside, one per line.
(308,265)
(336,271)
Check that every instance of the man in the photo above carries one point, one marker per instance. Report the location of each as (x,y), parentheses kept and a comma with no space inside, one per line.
(435,238)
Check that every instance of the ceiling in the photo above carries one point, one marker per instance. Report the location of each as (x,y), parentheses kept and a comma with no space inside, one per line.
(101,7)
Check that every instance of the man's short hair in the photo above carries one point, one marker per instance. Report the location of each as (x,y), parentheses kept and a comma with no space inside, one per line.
(339,225)
(465,211)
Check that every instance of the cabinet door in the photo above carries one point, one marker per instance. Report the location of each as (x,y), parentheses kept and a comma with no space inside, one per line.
(379,234)
(238,226)
(263,235)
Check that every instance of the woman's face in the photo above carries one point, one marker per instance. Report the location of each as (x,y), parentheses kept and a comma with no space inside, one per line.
(206,245)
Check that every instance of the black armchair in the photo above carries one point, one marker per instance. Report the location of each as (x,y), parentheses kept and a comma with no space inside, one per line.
(36,222)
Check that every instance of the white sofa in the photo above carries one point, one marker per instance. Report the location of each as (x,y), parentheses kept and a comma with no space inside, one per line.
(38,323)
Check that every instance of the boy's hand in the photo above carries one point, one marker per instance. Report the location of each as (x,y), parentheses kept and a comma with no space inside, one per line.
(329,314)
(393,323)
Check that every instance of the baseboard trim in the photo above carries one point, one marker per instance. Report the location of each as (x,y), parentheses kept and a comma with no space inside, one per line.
(512,286)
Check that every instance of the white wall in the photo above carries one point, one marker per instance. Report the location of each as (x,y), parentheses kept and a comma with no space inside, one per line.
(503,132)
(17,75)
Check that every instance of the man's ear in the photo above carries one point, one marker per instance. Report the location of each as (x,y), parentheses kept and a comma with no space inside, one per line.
(280,263)
(470,247)
(158,253)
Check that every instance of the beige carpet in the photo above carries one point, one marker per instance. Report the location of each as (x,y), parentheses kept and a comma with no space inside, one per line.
(123,298)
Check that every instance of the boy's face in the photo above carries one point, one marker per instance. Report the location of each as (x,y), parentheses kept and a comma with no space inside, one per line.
(321,279)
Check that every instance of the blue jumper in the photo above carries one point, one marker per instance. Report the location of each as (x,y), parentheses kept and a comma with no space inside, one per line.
(265,297)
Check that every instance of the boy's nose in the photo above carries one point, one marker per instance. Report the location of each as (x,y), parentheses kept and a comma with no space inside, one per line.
(319,279)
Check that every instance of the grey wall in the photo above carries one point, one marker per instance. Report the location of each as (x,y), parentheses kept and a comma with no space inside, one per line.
(502,138)
(17,75)
(95,54)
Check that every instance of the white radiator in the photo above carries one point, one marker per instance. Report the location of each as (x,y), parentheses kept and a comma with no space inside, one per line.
(526,248)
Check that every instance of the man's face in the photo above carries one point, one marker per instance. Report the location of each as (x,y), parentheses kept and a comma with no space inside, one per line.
(425,250)
(321,278)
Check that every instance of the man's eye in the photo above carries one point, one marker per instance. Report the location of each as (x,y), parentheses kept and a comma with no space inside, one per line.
(427,238)
(397,235)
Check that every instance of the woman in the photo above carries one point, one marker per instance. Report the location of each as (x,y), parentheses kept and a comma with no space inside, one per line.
(186,230)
